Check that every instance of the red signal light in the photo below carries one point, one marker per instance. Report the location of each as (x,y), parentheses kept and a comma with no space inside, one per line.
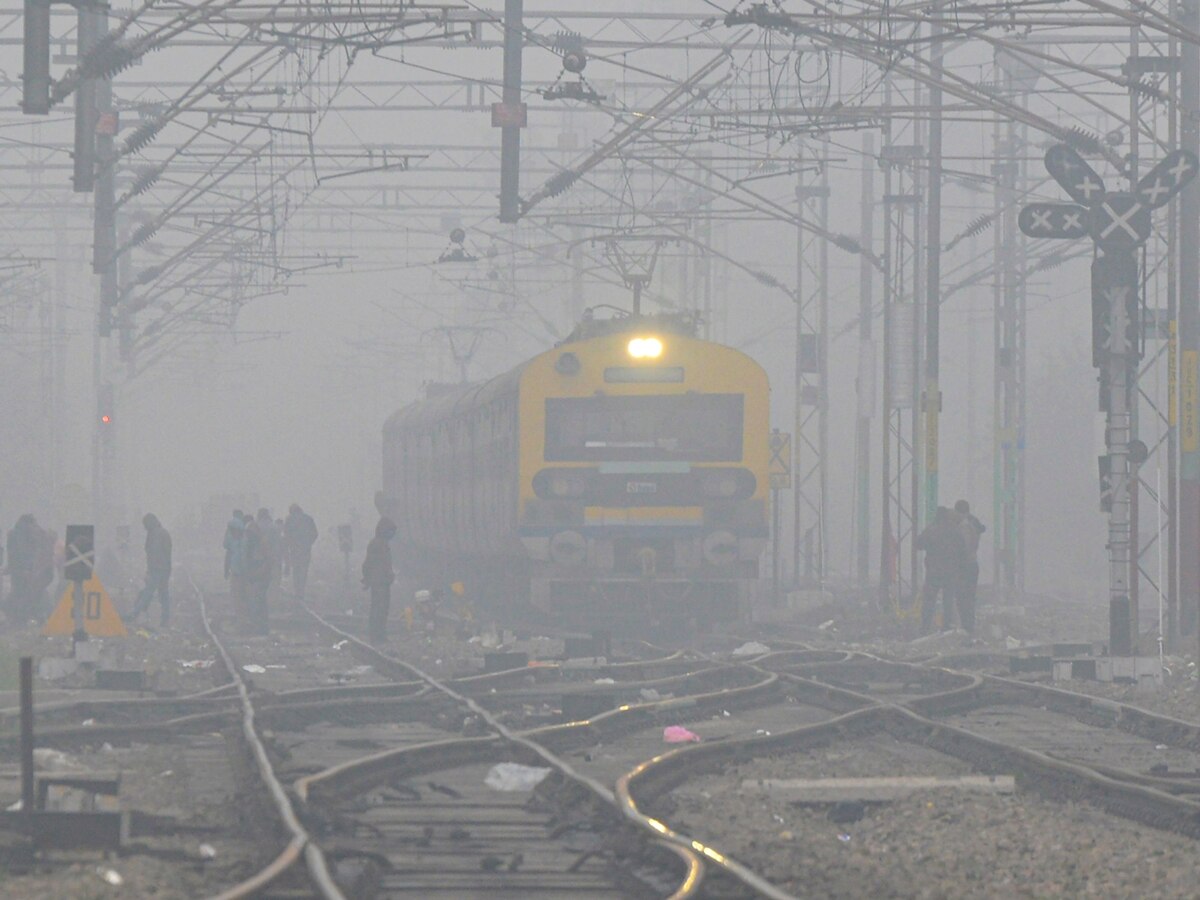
(106,418)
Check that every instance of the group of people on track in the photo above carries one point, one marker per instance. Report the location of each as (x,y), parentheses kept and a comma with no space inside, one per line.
(951,545)
(259,551)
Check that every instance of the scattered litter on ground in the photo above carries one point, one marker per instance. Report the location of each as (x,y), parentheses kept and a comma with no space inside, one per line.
(677,734)
(253,668)
(276,666)
(514,777)
(195,663)
(88,723)
(751,648)
(826,625)
(208,851)
(340,644)
(52,760)
(112,876)
(649,695)
(605,681)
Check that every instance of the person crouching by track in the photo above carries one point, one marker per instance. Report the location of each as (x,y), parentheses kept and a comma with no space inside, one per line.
(377,577)
(945,566)
(158,570)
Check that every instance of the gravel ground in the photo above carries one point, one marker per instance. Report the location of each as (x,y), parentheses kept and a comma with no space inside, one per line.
(190,783)
(1179,697)
(930,845)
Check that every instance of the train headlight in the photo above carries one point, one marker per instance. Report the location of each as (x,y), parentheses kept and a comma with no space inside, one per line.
(719,483)
(568,484)
(645,348)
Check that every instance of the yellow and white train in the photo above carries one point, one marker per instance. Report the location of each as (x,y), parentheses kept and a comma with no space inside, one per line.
(624,470)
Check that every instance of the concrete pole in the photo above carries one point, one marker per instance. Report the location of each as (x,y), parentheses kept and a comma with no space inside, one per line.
(510,135)
(1123,636)
(1189,333)
(933,282)
(866,366)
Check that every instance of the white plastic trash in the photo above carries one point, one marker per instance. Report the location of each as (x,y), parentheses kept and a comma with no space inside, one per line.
(751,648)
(112,876)
(253,669)
(514,777)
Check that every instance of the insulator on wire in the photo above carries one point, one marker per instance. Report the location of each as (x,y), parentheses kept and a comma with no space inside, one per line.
(146,177)
(143,135)
(144,233)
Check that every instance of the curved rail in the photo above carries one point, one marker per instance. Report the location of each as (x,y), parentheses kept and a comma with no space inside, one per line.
(908,720)
(684,848)
(301,843)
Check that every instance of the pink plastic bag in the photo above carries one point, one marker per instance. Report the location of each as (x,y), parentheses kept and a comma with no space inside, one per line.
(677,734)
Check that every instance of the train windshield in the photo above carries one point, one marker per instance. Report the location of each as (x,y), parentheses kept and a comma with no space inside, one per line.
(695,427)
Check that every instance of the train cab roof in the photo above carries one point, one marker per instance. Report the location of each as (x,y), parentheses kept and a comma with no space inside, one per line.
(446,402)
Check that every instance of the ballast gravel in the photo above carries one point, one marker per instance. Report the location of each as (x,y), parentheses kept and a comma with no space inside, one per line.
(931,845)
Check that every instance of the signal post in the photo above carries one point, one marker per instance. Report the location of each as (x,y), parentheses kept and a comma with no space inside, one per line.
(1119,224)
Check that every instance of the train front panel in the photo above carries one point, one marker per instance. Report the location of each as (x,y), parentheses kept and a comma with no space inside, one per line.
(643,474)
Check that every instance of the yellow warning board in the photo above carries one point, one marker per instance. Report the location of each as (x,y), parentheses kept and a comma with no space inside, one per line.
(1189,413)
(100,618)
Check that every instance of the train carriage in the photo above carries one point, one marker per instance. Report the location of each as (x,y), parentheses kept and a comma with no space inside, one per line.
(625,469)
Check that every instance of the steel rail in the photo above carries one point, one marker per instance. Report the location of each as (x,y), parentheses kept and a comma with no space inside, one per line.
(1140,799)
(301,843)
(682,847)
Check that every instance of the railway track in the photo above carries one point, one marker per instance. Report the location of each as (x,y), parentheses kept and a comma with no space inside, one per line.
(452,834)
(379,789)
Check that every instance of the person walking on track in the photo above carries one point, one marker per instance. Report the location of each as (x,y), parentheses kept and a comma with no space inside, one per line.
(945,566)
(971,530)
(300,533)
(377,577)
(158,569)
(257,552)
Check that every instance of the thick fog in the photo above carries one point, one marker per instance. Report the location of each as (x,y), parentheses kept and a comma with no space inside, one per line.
(271,378)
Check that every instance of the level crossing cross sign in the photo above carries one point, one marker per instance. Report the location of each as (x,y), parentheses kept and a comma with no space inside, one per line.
(1053,220)
(1116,220)
(1166,179)
(80,557)
(779,469)
(1119,222)
(1074,175)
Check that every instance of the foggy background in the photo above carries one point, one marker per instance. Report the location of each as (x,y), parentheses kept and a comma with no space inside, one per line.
(286,400)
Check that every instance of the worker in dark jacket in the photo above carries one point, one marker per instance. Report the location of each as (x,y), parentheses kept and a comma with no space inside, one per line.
(971,530)
(259,559)
(377,577)
(945,566)
(158,569)
(25,563)
(299,534)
